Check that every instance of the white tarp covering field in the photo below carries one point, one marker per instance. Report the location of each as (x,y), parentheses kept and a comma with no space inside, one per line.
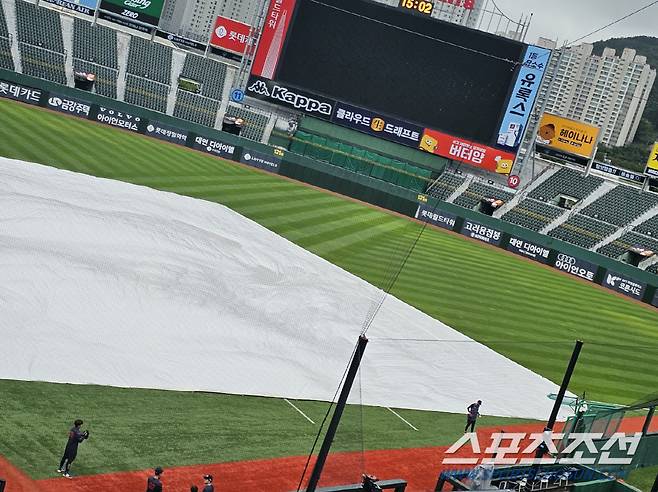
(114,284)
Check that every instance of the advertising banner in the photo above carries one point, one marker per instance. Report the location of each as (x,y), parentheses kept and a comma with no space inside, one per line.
(652,162)
(275,93)
(20,93)
(123,21)
(562,137)
(375,124)
(481,232)
(214,147)
(275,28)
(617,171)
(69,105)
(438,218)
(119,119)
(475,154)
(523,97)
(260,160)
(167,133)
(576,266)
(529,250)
(87,7)
(144,11)
(175,38)
(230,35)
(628,287)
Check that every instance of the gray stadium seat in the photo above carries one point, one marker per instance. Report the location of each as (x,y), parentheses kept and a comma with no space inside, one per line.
(653,268)
(254,123)
(476,191)
(196,108)
(149,60)
(621,205)
(620,246)
(567,182)
(146,93)
(96,44)
(533,214)
(42,63)
(583,231)
(106,78)
(446,185)
(4,31)
(39,26)
(209,73)
(648,227)
(6,61)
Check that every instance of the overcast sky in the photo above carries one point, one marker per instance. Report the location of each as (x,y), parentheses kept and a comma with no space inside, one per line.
(571,19)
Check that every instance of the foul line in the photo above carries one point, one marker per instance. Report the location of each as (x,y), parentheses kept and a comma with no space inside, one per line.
(303,414)
(401,418)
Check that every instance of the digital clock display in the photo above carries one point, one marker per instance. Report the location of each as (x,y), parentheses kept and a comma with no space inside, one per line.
(422,6)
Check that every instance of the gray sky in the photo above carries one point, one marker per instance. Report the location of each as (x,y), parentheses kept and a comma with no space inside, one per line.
(571,19)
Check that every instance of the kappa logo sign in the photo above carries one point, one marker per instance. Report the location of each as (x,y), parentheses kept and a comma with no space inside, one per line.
(280,94)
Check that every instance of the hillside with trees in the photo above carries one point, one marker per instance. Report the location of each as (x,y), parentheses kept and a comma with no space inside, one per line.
(633,156)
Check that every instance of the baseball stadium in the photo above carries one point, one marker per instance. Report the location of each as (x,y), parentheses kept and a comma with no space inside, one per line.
(303,257)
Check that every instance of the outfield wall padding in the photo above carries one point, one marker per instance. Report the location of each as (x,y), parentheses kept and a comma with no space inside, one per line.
(580,262)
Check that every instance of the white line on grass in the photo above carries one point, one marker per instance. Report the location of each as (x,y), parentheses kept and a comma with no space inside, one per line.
(401,418)
(303,414)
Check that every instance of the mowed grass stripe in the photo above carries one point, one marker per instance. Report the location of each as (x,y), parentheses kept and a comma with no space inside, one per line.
(483,292)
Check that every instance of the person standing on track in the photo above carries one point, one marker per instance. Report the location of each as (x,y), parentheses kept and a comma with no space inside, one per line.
(207,484)
(472,415)
(154,484)
(76,436)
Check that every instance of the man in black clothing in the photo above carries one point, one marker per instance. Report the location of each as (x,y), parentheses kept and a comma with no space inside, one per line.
(207,482)
(154,484)
(76,436)
(473,414)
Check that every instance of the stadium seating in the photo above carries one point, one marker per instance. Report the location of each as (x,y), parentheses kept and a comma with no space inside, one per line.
(476,191)
(446,185)
(146,93)
(149,60)
(653,268)
(43,63)
(4,32)
(209,73)
(96,44)
(6,60)
(648,227)
(533,214)
(254,123)
(39,27)
(621,205)
(619,246)
(196,108)
(568,182)
(106,78)
(582,231)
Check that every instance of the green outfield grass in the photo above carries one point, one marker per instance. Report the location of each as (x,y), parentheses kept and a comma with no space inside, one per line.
(643,478)
(527,312)
(134,429)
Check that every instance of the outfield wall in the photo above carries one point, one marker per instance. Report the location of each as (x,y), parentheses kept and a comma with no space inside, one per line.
(588,265)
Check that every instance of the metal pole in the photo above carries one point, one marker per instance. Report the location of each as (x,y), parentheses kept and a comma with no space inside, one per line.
(335,419)
(527,28)
(647,421)
(541,450)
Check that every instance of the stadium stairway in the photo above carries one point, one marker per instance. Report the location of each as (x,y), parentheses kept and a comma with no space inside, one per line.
(123,47)
(9,8)
(223,107)
(67,38)
(629,227)
(460,189)
(603,188)
(177,62)
(523,193)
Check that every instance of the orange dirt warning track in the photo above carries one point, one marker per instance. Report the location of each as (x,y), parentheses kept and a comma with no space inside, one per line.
(419,466)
